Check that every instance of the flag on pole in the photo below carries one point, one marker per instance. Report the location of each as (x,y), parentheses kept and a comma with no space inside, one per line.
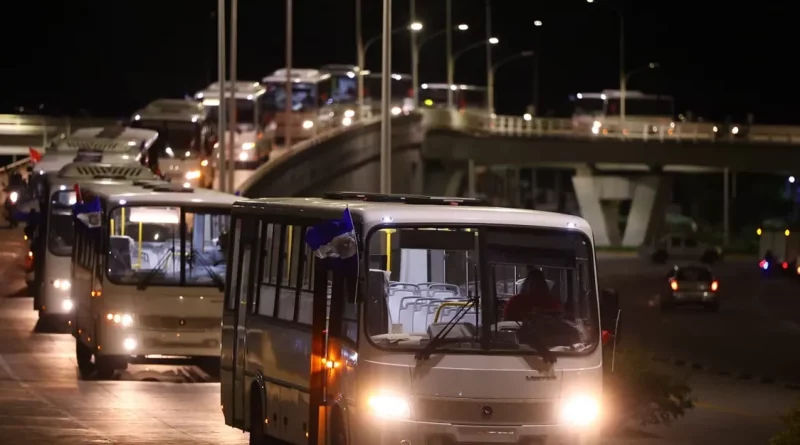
(334,238)
(89,213)
(34,154)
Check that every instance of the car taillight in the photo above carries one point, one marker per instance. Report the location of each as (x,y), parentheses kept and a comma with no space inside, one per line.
(714,285)
(785,265)
(673,284)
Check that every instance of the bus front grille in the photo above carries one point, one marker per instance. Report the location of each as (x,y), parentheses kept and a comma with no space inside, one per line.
(485,412)
(178,323)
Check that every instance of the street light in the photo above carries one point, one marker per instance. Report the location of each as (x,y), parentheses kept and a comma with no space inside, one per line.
(451,66)
(493,70)
(362,55)
(623,86)
(415,57)
(621,57)
(539,22)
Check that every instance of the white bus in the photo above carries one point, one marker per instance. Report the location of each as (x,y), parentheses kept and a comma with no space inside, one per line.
(148,274)
(54,296)
(185,140)
(464,96)
(600,112)
(306,102)
(252,139)
(408,341)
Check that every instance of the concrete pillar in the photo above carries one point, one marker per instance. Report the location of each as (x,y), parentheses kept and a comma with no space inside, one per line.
(471,179)
(587,194)
(648,210)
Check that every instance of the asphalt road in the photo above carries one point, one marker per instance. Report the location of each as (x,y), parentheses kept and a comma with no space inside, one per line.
(43,401)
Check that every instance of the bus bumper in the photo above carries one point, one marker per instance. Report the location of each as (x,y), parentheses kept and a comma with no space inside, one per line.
(55,302)
(371,432)
(158,344)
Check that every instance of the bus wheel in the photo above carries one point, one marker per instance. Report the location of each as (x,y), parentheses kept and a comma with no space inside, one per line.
(107,365)
(257,434)
(84,357)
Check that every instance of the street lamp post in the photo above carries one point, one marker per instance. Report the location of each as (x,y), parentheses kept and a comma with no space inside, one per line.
(623,86)
(412,4)
(362,54)
(451,65)
(621,17)
(416,52)
(386,97)
(535,111)
(221,124)
(360,61)
(449,29)
(493,70)
(231,167)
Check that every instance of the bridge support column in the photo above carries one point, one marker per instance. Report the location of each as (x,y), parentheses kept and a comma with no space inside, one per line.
(603,216)
(648,210)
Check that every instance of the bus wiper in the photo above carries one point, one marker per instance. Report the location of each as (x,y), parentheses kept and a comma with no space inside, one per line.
(425,353)
(142,285)
(209,270)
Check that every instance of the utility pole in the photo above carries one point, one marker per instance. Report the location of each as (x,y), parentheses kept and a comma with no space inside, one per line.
(386,100)
(489,70)
(288,122)
(361,61)
(222,83)
(230,170)
(414,56)
(450,64)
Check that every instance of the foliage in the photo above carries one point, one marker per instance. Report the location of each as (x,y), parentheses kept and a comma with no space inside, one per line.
(791,435)
(641,391)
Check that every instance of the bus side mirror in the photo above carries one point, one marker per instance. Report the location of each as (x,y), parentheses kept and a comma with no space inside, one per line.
(609,315)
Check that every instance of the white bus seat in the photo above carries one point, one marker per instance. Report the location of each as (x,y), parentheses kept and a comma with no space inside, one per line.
(413,314)
(403,286)
(406,312)
(434,287)
(442,294)
(449,312)
(394,300)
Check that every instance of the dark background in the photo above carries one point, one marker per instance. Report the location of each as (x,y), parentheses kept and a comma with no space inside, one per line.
(107,58)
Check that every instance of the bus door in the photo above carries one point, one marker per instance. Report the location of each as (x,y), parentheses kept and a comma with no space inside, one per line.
(244,245)
(333,345)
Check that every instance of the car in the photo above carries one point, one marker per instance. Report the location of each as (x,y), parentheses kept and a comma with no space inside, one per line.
(690,285)
(681,247)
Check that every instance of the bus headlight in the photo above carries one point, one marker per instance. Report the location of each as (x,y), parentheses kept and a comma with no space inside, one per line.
(347,121)
(580,411)
(67,305)
(349,113)
(130,344)
(62,284)
(194,174)
(248,145)
(307,125)
(389,406)
(396,111)
(120,318)
(14,197)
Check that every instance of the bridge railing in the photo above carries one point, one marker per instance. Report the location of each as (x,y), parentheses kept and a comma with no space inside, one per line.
(479,121)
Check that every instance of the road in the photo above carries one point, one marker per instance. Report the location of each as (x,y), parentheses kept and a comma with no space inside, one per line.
(739,362)
(42,400)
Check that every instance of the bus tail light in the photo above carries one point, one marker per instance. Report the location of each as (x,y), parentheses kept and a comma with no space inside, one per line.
(714,285)
(674,285)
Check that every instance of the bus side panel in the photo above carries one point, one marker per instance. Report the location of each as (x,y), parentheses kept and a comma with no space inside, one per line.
(229,329)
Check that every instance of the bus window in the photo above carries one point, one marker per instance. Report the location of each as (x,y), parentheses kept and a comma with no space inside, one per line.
(231,296)
(61,233)
(206,242)
(269,265)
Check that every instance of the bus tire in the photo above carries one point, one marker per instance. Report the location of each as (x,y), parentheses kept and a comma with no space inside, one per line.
(84,357)
(257,434)
(107,365)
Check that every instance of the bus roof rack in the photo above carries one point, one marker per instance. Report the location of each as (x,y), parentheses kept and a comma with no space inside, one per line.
(104,171)
(407,199)
(172,188)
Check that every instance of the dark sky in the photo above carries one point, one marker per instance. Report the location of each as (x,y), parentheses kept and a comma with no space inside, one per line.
(109,57)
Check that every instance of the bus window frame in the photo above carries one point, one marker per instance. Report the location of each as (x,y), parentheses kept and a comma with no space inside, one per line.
(486,283)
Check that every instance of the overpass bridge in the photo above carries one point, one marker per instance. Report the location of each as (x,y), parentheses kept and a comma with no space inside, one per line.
(438,151)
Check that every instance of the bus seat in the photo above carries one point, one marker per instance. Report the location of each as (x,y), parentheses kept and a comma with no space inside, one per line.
(419,313)
(435,287)
(403,286)
(443,294)
(394,301)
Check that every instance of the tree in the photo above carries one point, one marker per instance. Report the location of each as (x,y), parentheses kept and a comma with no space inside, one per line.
(791,435)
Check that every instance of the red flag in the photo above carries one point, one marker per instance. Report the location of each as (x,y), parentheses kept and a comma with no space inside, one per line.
(78,198)
(35,155)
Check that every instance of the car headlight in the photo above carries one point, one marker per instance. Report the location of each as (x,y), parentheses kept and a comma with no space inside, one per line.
(194,174)
(349,113)
(308,125)
(62,284)
(347,121)
(120,318)
(389,406)
(580,411)
(396,111)
(248,145)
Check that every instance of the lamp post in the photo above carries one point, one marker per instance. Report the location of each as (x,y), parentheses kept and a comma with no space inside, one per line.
(538,24)
(362,55)
(231,167)
(621,17)
(287,133)
(624,86)
(221,124)
(451,66)
(386,98)
(360,61)
(415,56)
(493,70)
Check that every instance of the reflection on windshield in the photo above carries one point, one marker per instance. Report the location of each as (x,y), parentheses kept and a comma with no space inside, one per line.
(542,292)
(245,112)
(175,138)
(146,248)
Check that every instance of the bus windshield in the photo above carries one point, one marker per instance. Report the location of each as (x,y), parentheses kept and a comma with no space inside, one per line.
(304,97)
(641,107)
(146,248)
(176,139)
(61,234)
(539,283)
(246,112)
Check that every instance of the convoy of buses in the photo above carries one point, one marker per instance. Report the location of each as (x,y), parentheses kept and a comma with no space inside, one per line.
(346,319)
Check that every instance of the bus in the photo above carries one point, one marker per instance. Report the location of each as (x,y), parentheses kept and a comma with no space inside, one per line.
(779,246)
(306,102)
(600,112)
(148,273)
(185,140)
(252,138)
(464,96)
(53,298)
(372,319)
(342,89)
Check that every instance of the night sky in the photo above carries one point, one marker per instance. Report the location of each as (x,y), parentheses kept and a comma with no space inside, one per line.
(109,57)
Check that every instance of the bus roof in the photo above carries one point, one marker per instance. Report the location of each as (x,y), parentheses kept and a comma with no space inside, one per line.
(105,139)
(441,211)
(615,94)
(248,90)
(299,75)
(443,86)
(95,170)
(166,195)
(182,110)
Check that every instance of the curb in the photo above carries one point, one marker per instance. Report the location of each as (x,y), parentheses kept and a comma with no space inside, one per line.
(738,375)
